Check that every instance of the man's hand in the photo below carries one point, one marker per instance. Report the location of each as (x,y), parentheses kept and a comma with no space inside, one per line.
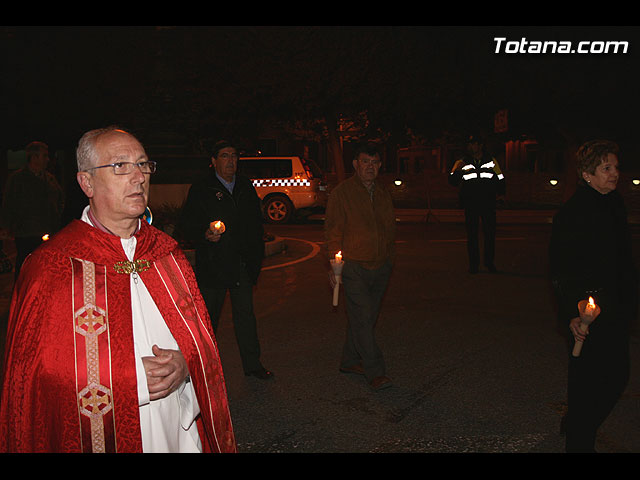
(332,278)
(166,371)
(212,236)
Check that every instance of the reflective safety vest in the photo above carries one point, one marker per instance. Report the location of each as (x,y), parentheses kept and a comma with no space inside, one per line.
(487,170)
(480,181)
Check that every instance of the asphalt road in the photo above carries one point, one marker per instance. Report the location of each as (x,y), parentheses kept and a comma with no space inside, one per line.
(478,361)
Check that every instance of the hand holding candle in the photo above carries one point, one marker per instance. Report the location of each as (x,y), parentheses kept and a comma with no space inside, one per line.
(215,230)
(336,266)
(588,313)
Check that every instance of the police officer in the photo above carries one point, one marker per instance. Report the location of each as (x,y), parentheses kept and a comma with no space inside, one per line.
(480,180)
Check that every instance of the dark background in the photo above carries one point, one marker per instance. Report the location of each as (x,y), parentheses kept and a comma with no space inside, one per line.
(198,82)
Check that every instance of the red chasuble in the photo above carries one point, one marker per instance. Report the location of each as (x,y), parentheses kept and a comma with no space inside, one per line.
(70,376)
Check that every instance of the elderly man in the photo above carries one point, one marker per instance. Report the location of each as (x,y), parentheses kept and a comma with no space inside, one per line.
(360,222)
(109,347)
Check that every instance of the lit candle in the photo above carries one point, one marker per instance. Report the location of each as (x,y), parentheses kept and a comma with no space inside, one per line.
(590,307)
(217,226)
(45,237)
(336,266)
(588,313)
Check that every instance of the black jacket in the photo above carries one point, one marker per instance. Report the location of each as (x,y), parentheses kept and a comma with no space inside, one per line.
(241,246)
(590,255)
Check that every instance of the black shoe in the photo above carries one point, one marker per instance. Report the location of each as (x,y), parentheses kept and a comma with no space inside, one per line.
(261,373)
(355,369)
(380,383)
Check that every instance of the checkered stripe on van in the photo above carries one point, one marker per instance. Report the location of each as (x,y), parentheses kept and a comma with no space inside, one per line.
(282,182)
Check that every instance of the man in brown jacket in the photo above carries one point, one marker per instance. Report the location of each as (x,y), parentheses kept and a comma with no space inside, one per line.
(360,222)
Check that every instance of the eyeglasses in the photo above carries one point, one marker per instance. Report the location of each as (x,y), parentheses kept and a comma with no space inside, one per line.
(125,168)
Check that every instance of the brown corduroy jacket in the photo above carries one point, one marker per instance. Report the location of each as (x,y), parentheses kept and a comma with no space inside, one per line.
(361,227)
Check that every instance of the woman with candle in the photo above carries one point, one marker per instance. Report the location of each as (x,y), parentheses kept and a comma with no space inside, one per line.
(590,255)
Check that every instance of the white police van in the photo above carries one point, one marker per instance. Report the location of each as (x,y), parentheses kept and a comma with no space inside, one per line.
(284,184)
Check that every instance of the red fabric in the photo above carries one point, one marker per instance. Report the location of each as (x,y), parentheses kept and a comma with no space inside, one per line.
(39,409)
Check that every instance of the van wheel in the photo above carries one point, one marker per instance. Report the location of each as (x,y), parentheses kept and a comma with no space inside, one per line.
(278,209)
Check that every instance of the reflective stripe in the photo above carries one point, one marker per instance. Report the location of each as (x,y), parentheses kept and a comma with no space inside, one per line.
(469,176)
(488,165)
(281,183)
(468,167)
(486,175)
(500,176)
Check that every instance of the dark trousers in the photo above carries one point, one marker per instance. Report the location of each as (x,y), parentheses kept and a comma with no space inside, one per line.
(363,291)
(24,246)
(244,319)
(472,217)
(595,384)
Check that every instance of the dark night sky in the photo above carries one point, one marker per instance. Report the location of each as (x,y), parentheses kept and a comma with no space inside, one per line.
(61,81)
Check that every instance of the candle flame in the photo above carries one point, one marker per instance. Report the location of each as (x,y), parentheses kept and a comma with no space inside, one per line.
(592,302)
(339,256)
(217,225)
(45,237)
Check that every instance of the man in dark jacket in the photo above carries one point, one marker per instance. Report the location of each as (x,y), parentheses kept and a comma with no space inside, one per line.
(32,204)
(228,255)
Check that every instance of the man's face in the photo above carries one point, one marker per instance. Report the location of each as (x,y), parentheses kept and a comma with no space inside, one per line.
(475,148)
(117,197)
(226,163)
(367,167)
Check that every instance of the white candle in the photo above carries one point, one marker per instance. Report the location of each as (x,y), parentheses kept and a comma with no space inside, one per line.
(336,265)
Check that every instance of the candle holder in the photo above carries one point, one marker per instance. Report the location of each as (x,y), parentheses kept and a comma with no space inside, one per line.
(589,311)
(336,266)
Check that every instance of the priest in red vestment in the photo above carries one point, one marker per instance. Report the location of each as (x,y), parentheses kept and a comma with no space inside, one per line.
(109,344)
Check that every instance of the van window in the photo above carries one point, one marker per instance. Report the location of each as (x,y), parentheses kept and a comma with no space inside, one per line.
(265,168)
(315,170)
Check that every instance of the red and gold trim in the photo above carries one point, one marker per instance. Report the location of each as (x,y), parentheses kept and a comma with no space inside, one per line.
(93,358)
(183,301)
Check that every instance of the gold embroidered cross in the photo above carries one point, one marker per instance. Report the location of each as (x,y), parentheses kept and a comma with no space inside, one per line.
(96,399)
(89,322)
(128,267)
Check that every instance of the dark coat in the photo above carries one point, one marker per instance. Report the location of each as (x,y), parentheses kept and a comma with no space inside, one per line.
(590,255)
(241,246)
